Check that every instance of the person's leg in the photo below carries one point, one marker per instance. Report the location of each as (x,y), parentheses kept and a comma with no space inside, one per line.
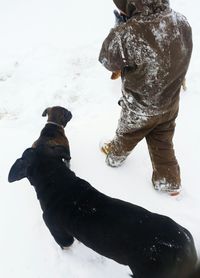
(131,129)
(166,172)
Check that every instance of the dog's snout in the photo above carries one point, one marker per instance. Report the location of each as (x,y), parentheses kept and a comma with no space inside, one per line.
(68,115)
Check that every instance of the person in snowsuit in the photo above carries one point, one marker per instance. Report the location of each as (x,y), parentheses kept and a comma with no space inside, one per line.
(151,46)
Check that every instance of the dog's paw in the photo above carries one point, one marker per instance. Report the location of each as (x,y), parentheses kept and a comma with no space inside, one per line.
(67,244)
(65,248)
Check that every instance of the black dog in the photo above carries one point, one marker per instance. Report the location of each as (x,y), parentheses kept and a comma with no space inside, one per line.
(152,245)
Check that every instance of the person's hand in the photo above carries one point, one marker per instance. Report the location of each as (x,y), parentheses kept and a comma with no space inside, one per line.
(116,74)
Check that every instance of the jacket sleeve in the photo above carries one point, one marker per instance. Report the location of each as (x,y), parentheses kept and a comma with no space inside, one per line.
(112,55)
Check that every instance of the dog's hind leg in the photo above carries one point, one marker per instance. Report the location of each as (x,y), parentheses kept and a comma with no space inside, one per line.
(142,272)
(134,274)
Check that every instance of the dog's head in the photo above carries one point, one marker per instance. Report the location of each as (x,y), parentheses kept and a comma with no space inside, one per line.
(58,115)
(20,169)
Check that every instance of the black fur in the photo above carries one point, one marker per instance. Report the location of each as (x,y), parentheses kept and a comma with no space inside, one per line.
(152,245)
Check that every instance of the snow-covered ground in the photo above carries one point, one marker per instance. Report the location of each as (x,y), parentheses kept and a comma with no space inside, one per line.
(49,56)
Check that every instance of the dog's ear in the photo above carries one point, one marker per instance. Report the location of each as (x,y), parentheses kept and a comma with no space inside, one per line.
(19,169)
(46,112)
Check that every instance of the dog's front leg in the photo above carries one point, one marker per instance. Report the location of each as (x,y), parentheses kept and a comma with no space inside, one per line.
(63,239)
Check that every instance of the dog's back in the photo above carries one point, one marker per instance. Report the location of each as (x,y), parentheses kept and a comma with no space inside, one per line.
(52,135)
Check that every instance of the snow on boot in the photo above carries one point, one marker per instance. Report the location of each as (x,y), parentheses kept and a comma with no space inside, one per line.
(114,161)
(111,159)
(164,186)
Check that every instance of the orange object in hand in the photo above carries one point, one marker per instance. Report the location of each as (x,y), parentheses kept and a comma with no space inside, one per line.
(116,74)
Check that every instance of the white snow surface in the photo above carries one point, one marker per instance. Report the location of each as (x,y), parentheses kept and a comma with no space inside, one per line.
(49,56)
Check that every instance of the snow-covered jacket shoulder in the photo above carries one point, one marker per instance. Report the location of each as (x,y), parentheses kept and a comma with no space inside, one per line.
(112,54)
(153,54)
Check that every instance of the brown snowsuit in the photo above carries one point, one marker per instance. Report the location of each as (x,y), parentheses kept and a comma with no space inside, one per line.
(152,49)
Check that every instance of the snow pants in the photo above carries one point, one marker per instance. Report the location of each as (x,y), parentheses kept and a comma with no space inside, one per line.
(158,132)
